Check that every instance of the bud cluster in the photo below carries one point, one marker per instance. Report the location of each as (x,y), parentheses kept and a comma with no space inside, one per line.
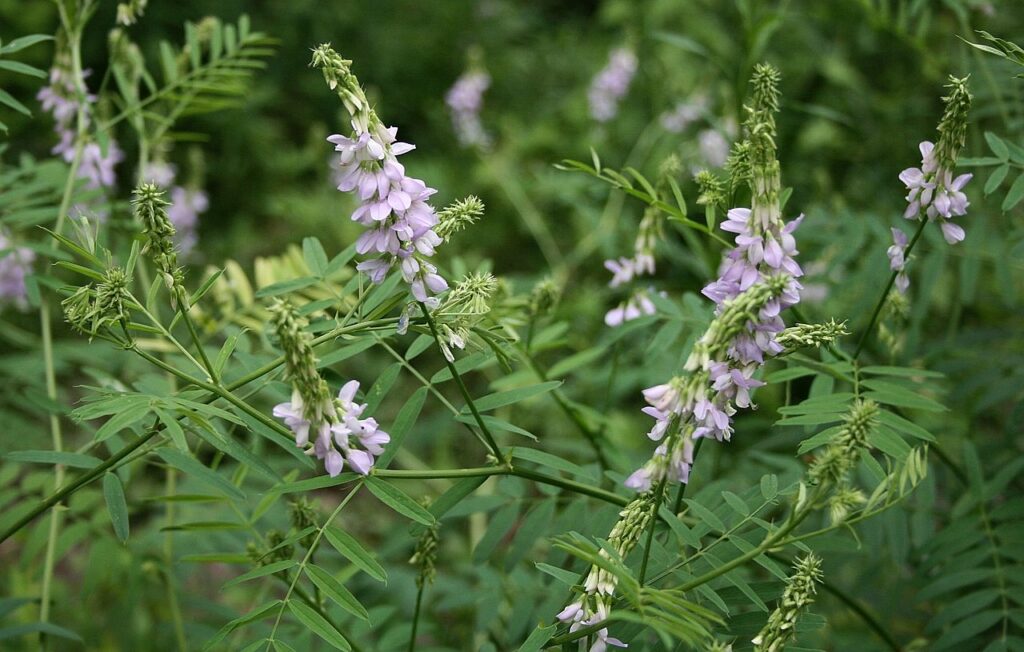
(799,594)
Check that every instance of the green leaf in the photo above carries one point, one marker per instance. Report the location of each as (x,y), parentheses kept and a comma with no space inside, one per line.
(77,460)
(113,494)
(334,590)
(8,99)
(263,611)
(315,256)
(889,443)
(510,396)
(995,178)
(398,500)
(996,144)
(345,352)
(454,495)
(17,631)
(190,466)
(23,42)
(905,426)
(538,638)
(400,427)
(132,413)
(769,486)
(285,287)
(262,571)
(351,549)
(21,68)
(704,514)
(1013,197)
(568,578)
(318,625)
(494,423)
(547,459)
(893,394)
(905,372)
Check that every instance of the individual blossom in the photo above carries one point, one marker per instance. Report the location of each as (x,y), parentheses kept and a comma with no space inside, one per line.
(465,99)
(637,305)
(15,265)
(897,259)
(611,84)
(933,190)
(393,207)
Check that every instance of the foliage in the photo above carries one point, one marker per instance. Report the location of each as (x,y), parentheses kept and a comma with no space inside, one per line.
(156,393)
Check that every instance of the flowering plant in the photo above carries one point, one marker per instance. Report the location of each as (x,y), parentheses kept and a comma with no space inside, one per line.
(416,413)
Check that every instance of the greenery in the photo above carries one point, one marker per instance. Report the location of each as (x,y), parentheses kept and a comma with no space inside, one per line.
(180,303)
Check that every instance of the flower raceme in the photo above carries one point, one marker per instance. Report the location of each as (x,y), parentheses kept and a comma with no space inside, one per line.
(393,207)
(15,265)
(62,98)
(341,432)
(933,190)
(465,99)
(611,84)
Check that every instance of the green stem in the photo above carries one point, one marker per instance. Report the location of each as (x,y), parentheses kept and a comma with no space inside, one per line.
(56,436)
(488,438)
(885,293)
(651,527)
(563,404)
(306,560)
(210,369)
(416,617)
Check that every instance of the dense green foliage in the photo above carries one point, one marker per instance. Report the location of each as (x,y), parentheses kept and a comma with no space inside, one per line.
(185,517)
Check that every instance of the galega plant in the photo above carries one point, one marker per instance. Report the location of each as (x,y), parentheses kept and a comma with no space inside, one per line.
(285,451)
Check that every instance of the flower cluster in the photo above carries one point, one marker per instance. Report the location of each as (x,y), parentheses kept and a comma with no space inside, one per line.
(611,84)
(393,206)
(897,259)
(63,99)
(714,147)
(758,279)
(465,99)
(186,204)
(932,188)
(341,433)
(683,114)
(636,306)
(15,264)
(594,604)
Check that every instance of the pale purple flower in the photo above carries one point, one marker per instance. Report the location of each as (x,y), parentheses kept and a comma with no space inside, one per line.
(611,84)
(897,259)
(935,192)
(635,307)
(186,205)
(714,147)
(344,438)
(683,114)
(393,207)
(465,99)
(15,265)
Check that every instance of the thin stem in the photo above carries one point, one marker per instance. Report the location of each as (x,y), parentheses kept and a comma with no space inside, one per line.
(306,560)
(563,404)
(416,617)
(885,293)
(488,437)
(651,527)
(74,33)
(210,369)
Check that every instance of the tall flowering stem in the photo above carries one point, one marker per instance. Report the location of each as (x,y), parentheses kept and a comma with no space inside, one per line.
(934,195)
(758,279)
(392,205)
